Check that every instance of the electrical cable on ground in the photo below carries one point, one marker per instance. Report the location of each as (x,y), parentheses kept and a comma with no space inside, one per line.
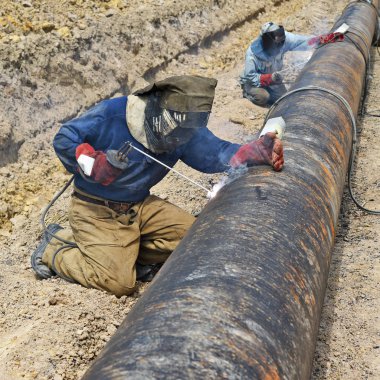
(67,243)
(55,268)
(46,210)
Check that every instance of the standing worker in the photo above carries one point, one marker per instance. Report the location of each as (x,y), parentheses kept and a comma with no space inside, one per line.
(261,80)
(121,232)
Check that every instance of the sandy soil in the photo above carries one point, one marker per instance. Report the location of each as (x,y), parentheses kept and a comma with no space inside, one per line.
(59,58)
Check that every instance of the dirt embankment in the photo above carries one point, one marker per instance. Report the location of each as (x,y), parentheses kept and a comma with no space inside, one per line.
(59,58)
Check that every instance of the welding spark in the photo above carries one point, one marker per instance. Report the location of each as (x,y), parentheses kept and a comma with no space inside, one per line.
(211,194)
(232,174)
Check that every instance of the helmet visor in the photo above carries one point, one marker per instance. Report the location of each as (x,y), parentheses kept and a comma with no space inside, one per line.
(278,35)
(166,129)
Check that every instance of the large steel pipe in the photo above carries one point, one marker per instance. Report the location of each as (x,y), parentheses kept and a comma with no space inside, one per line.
(241,296)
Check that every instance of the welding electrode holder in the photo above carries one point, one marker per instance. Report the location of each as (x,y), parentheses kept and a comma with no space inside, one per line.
(119,158)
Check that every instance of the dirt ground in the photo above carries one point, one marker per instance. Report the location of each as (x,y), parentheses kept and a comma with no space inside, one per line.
(59,58)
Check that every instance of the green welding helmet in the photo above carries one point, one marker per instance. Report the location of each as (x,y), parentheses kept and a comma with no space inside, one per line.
(175,109)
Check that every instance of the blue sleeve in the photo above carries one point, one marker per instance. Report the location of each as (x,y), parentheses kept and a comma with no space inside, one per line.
(207,153)
(251,73)
(296,42)
(75,132)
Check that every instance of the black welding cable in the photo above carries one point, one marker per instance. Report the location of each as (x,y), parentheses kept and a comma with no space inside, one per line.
(68,244)
(366,2)
(354,135)
(356,32)
(44,213)
(362,51)
(366,61)
(55,268)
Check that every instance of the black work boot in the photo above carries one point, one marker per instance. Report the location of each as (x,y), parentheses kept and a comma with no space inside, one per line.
(41,269)
(145,273)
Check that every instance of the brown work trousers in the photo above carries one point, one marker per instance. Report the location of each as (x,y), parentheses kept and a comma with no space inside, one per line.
(109,243)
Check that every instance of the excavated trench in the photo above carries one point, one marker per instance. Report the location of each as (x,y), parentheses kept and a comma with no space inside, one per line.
(204,44)
(42,91)
(69,67)
(52,329)
(76,73)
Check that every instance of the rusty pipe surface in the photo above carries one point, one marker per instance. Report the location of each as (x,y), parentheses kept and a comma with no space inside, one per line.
(241,296)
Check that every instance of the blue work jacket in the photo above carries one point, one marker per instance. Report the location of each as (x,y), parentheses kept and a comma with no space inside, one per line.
(105,127)
(258,61)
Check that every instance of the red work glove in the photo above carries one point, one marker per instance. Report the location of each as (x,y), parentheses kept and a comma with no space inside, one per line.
(266,80)
(326,39)
(267,149)
(85,149)
(102,171)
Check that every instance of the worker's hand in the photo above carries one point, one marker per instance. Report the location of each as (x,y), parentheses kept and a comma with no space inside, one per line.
(100,169)
(326,39)
(265,80)
(268,79)
(267,150)
(85,149)
(276,78)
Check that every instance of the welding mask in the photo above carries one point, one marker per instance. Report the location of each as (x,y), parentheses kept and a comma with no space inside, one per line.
(273,37)
(167,114)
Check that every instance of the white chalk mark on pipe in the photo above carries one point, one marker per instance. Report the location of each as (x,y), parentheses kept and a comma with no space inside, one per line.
(276,125)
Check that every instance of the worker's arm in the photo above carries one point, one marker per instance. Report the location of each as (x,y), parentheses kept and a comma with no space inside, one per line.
(266,150)
(302,42)
(254,76)
(207,153)
(296,42)
(324,39)
(76,132)
(251,73)
(101,167)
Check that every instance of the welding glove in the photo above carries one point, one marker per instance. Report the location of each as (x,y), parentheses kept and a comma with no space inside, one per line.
(326,39)
(268,79)
(85,149)
(267,149)
(276,78)
(100,169)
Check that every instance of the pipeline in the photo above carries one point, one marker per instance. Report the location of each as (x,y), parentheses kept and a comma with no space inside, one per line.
(241,296)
